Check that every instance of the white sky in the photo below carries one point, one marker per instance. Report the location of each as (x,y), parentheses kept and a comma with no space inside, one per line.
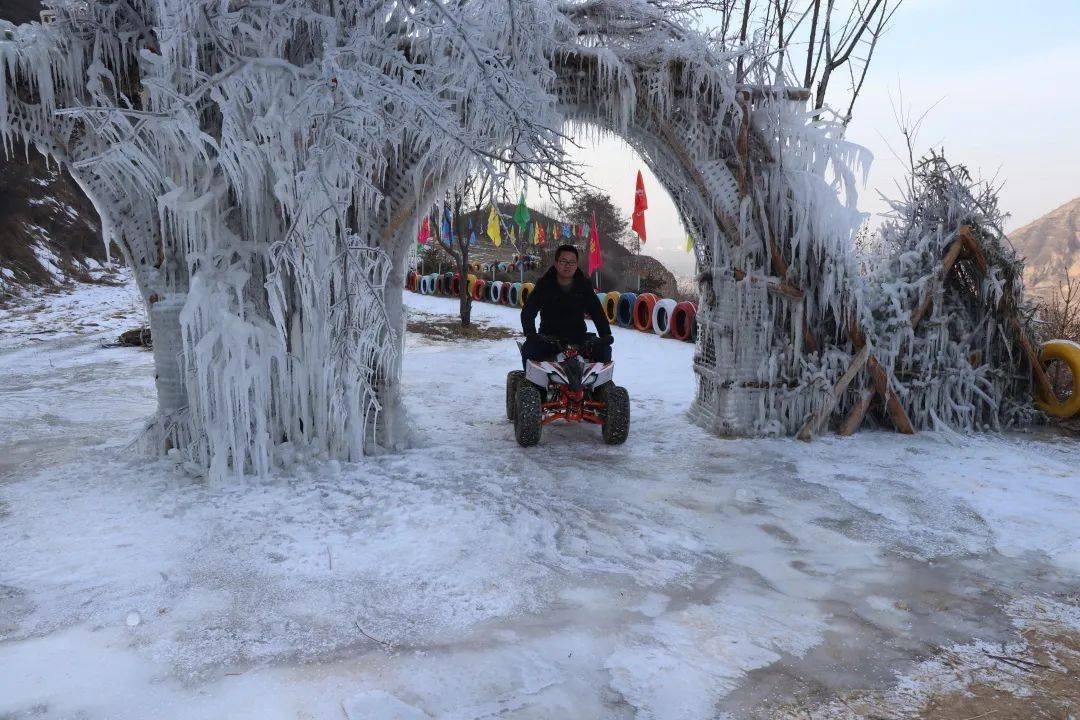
(1004,81)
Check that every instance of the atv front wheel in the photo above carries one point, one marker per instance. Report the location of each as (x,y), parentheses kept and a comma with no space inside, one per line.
(528,414)
(513,379)
(616,415)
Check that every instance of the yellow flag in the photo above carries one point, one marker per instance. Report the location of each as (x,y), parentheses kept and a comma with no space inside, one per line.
(493,230)
(689,243)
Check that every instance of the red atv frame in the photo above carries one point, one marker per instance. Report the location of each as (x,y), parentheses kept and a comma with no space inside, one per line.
(570,388)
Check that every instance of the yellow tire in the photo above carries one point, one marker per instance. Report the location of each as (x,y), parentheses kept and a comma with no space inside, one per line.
(526,288)
(611,305)
(472,284)
(1067,352)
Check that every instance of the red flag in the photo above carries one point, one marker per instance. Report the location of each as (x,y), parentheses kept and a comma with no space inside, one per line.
(596,259)
(641,203)
(540,235)
(423,236)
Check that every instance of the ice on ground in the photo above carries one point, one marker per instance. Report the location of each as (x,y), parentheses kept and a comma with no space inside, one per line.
(678,576)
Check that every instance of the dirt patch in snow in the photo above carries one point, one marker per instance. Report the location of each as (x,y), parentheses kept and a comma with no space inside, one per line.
(451,329)
(1048,684)
(1037,677)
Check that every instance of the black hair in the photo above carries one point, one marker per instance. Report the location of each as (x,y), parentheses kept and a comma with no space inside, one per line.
(566,248)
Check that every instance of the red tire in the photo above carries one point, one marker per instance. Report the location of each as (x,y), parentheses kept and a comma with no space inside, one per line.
(479,289)
(643,308)
(683,318)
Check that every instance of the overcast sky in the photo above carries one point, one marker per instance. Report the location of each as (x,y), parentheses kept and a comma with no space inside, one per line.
(1005,77)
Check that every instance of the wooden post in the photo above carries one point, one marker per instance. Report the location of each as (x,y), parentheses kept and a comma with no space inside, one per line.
(896,411)
(813,424)
(858,412)
(951,256)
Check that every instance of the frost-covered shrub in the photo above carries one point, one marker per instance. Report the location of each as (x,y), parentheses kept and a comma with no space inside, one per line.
(961,366)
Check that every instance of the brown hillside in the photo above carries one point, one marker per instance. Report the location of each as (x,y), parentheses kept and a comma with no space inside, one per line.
(49,231)
(1052,246)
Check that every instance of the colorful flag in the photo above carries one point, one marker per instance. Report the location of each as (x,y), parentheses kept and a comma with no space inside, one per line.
(596,258)
(423,236)
(566,230)
(472,233)
(521,215)
(641,203)
(689,243)
(447,228)
(540,235)
(493,229)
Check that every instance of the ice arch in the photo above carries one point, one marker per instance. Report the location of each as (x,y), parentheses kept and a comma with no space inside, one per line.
(262,166)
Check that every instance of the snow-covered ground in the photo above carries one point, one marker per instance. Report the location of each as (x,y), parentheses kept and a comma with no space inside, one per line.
(678,576)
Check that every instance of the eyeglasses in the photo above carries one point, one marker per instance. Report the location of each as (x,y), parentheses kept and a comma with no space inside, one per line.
(566,263)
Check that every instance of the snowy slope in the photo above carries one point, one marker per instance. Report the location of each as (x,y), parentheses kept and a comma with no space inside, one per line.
(680,576)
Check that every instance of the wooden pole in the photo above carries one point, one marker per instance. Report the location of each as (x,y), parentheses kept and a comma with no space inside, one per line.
(858,412)
(813,424)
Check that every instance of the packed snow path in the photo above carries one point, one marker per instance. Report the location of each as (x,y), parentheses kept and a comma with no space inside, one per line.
(469,578)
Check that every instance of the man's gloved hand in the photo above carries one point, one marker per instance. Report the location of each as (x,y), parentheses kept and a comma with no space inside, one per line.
(608,339)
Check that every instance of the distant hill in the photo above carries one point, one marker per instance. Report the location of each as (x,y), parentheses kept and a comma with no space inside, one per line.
(1051,245)
(49,232)
(20,11)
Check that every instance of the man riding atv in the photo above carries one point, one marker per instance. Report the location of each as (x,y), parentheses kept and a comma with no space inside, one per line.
(567,371)
(563,297)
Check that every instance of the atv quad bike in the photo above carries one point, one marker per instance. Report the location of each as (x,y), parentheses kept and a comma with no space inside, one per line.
(569,388)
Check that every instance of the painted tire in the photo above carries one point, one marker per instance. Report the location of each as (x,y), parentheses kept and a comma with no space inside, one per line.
(624,311)
(494,289)
(479,289)
(523,295)
(661,316)
(448,283)
(610,304)
(438,285)
(1069,353)
(513,294)
(409,279)
(683,318)
(643,308)
(600,298)
(455,285)
(424,282)
(504,296)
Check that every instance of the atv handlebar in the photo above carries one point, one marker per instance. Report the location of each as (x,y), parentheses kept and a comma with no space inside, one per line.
(563,345)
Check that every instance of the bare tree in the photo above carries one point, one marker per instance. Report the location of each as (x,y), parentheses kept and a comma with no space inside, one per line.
(1060,320)
(807,41)
(465,201)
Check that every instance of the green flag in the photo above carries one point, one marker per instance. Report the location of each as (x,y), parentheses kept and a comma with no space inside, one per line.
(521,215)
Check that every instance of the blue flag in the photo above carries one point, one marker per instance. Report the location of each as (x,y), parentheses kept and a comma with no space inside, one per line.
(447,229)
(565,230)
(472,233)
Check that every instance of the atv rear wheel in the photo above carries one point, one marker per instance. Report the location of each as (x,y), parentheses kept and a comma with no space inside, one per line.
(528,414)
(513,379)
(616,426)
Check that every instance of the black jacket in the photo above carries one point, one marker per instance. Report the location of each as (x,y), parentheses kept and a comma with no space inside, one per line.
(562,312)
